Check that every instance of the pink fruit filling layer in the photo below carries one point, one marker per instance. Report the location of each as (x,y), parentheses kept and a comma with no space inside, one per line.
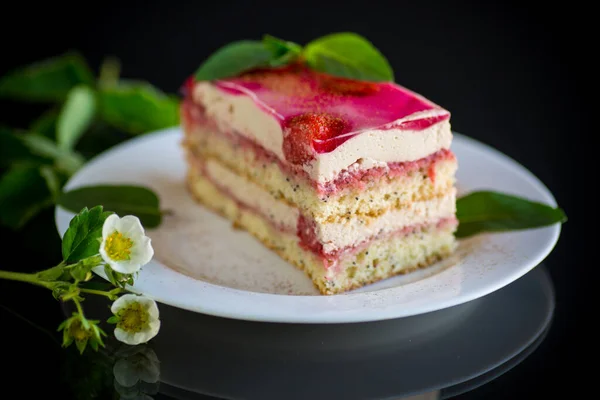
(193,116)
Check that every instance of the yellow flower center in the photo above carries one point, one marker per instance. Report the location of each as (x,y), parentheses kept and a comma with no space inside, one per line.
(78,332)
(133,318)
(118,247)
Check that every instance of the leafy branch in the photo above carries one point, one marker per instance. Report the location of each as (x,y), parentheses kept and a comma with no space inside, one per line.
(86,115)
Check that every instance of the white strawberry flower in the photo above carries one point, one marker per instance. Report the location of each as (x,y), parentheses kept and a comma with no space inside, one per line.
(125,246)
(136,317)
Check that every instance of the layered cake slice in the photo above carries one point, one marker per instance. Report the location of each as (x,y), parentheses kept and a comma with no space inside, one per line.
(350,181)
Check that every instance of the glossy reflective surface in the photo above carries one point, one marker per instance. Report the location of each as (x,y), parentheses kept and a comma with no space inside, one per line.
(434,356)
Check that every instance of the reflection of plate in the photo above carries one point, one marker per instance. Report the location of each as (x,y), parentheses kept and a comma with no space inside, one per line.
(231,359)
(202,264)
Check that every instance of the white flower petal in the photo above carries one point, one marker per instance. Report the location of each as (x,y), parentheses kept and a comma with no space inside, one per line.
(131,225)
(109,226)
(125,337)
(142,251)
(153,310)
(123,301)
(103,254)
(153,328)
(124,267)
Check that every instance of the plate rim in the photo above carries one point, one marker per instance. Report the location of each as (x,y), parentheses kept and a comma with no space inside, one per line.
(212,309)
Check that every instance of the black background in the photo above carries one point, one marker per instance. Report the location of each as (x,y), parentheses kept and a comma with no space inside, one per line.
(515,76)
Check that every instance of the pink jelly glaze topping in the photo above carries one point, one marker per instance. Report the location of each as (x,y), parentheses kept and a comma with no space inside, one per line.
(319,112)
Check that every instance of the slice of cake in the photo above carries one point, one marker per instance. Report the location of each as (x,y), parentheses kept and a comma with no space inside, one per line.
(350,181)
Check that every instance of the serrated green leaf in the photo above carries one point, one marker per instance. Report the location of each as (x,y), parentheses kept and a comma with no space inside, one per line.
(81,238)
(488,211)
(233,59)
(138,107)
(348,55)
(23,194)
(75,116)
(46,81)
(120,199)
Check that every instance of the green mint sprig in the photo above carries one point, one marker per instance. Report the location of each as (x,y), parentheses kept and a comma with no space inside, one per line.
(86,115)
(343,54)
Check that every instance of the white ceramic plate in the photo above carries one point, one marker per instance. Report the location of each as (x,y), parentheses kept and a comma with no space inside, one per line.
(202,264)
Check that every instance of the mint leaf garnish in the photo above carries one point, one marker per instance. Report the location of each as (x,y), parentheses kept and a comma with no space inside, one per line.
(81,238)
(344,54)
(487,211)
(48,80)
(348,55)
(75,116)
(233,59)
(121,199)
(283,52)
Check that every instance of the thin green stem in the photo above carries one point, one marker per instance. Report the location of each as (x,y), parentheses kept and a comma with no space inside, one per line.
(23,277)
(78,305)
(97,292)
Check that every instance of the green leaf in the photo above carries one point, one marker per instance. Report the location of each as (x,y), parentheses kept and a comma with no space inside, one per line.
(121,199)
(23,194)
(109,72)
(75,116)
(233,59)
(348,55)
(46,81)
(53,182)
(113,320)
(284,52)
(487,211)
(66,160)
(138,107)
(12,149)
(81,240)
(45,124)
